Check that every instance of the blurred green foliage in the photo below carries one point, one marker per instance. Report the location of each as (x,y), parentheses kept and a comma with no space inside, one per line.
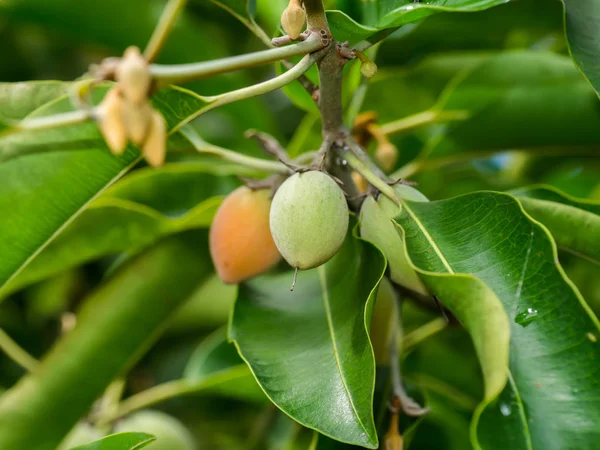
(59,39)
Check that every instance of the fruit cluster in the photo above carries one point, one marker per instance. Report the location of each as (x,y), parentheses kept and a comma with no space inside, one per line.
(306,222)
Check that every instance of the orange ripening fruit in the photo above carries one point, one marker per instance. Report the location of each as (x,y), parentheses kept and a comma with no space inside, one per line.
(241,245)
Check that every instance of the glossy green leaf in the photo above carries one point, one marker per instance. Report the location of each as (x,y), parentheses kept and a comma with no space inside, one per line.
(582,26)
(487,237)
(117,323)
(309,348)
(394,13)
(119,441)
(344,28)
(520,100)
(574,223)
(133,214)
(472,302)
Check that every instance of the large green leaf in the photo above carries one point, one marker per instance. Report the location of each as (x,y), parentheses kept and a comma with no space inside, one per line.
(520,100)
(133,214)
(309,348)
(119,441)
(554,358)
(574,223)
(582,26)
(117,323)
(41,193)
(381,14)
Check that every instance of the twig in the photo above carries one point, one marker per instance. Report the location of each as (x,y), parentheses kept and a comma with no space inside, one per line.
(180,73)
(164,26)
(52,121)
(169,390)
(424,332)
(251,91)
(17,353)
(259,164)
(420,119)
(409,406)
(361,162)
(268,143)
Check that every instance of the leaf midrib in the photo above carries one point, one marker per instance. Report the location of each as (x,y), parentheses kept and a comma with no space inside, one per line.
(522,415)
(428,236)
(325,296)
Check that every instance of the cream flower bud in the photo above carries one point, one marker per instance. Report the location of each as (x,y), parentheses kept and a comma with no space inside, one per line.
(293,18)
(111,121)
(137,119)
(155,147)
(133,76)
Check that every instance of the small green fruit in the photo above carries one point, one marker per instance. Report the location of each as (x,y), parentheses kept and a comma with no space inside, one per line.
(170,433)
(82,433)
(383,321)
(377,227)
(368,69)
(309,219)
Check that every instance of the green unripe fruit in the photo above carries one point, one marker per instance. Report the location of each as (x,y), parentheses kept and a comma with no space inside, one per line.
(383,321)
(170,433)
(82,433)
(377,227)
(368,69)
(309,219)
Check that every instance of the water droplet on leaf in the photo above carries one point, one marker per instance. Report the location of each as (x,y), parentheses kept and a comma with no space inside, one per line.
(524,318)
(505,409)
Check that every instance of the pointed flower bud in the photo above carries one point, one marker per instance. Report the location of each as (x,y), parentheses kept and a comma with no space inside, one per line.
(293,18)
(133,76)
(155,146)
(386,155)
(111,121)
(137,119)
